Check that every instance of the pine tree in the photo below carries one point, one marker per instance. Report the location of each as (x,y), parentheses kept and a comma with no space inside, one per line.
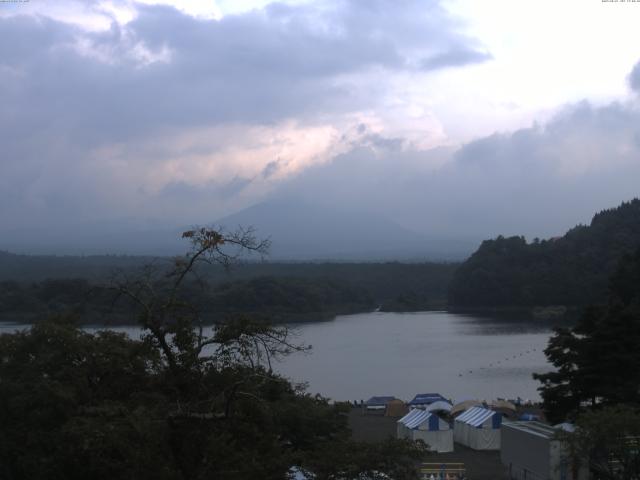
(598,361)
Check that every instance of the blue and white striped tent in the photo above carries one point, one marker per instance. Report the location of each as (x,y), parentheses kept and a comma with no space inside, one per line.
(478,428)
(428,427)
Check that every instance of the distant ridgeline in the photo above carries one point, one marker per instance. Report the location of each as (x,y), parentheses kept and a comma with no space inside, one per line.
(35,287)
(570,271)
(270,298)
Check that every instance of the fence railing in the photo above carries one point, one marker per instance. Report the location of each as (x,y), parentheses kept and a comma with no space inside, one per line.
(443,471)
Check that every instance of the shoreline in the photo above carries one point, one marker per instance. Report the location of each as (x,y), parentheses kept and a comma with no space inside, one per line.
(549,314)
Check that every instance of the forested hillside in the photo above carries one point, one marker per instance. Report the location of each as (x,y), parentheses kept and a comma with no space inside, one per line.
(572,270)
(30,268)
(268,298)
(37,286)
(278,292)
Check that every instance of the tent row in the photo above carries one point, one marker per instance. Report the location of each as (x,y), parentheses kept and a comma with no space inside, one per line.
(477,428)
(435,421)
(393,407)
(434,402)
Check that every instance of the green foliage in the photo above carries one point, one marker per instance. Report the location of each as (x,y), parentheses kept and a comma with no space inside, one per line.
(598,361)
(411,301)
(102,406)
(279,299)
(70,405)
(278,292)
(609,439)
(183,402)
(396,459)
(383,282)
(572,270)
(284,298)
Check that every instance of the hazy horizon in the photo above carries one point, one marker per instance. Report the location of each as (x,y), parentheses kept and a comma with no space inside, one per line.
(410,129)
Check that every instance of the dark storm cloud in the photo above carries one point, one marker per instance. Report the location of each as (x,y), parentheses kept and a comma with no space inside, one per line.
(536,181)
(67,92)
(256,67)
(271,168)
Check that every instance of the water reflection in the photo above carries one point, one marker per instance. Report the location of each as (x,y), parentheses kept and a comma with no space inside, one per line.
(500,325)
(380,353)
(401,354)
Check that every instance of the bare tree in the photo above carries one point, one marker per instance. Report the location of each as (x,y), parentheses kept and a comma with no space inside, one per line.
(175,325)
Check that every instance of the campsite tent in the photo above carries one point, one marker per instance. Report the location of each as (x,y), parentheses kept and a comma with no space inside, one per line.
(378,404)
(396,408)
(458,408)
(478,428)
(424,399)
(506,408)
(428,427)
(439,406)
(505,404)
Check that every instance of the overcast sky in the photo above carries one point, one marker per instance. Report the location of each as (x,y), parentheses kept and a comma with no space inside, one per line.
(461,117)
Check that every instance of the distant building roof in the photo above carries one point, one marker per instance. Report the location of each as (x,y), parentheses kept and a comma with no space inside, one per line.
(376,401)
(426,398)
(540,429)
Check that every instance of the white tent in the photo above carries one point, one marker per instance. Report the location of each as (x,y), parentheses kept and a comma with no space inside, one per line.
(478,428)
(428,427)
(439,406)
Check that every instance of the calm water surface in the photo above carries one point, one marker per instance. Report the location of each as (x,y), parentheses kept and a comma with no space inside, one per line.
(460,356)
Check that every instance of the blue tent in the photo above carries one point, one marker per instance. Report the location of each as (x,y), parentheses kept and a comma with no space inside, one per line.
(529,417)
(424,399)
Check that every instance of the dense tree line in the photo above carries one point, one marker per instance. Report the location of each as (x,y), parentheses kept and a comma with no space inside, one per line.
(597,362)
(36,268)
(281,292)
(289,297)
(596,378)
(572,270)
(184,402)
(277,299)
(385,282)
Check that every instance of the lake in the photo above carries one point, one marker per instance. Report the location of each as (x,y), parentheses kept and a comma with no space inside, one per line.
(460,356)
(358,356)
